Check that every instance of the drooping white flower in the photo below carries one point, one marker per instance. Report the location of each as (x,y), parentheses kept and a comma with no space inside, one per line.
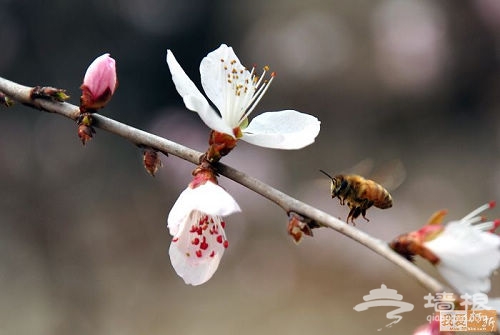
(468,253)
(197,226)
(235,92)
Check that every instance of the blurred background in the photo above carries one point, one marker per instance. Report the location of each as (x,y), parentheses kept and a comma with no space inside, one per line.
(83,238)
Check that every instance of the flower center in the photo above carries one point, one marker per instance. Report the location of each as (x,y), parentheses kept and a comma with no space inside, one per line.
(206,236)
(243,90)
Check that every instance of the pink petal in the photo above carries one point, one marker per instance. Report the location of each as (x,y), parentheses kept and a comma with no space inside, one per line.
(431,328)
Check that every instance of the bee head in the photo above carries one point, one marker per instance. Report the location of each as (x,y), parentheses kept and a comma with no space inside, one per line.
(337,185)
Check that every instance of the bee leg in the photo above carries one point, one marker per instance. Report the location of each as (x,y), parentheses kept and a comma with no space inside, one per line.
(351,216)
(364,206)
(363,212)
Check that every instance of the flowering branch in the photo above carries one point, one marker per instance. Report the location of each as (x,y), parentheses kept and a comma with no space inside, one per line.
(313,216)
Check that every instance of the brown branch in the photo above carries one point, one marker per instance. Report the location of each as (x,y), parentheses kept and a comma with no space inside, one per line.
(139,137)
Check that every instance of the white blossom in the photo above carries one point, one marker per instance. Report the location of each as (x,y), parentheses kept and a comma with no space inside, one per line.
(235,92)
(197,226)
(468,253)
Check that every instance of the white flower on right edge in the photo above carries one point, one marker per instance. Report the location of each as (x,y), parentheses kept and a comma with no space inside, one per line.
(235,92)
(197,226)
(468,252)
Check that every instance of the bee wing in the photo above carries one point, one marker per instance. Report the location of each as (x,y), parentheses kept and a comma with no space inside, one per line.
(363,168)
(390,175)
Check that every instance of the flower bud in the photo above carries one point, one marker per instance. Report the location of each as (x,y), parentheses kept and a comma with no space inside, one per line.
(299,226)
(151,161)
(49,93)
(220,145)
(5,100)
(99,83)
(85,129)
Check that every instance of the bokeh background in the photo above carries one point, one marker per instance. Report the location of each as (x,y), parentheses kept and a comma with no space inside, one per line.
(83,239)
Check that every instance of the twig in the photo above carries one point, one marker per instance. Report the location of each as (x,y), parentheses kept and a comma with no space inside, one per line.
(139,137)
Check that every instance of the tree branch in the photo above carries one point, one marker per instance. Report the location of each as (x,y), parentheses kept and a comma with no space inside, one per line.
(139,137)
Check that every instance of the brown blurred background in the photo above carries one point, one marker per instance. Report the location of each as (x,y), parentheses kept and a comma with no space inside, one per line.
(83,239)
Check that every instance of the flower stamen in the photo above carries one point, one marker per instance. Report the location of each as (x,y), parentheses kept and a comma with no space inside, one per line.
(485,225)
(244,90)
(478,210)
(259,90)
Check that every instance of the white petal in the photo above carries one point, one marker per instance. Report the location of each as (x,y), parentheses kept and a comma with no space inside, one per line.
(183,83)
(467,249)
(468,256)
(208,198)
(286,129)
(207,114)
(181,209)
(213,77)
(196,251)
(462,282)
(214,200)
(193,274)
(193,98)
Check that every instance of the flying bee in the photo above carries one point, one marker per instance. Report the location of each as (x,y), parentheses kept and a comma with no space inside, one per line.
(358,193)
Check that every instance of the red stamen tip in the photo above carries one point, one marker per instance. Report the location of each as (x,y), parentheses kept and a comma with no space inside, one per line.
(496,224)
(492,204)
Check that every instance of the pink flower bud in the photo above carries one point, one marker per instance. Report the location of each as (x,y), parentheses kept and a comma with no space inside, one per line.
(99,83)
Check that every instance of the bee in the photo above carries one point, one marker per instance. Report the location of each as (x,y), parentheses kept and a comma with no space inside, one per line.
(358,193)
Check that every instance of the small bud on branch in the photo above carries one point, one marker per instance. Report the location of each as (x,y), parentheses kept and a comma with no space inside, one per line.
(5,100)
(50,93)
(99,85)
(299,226)
(85,129)
(151,161)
